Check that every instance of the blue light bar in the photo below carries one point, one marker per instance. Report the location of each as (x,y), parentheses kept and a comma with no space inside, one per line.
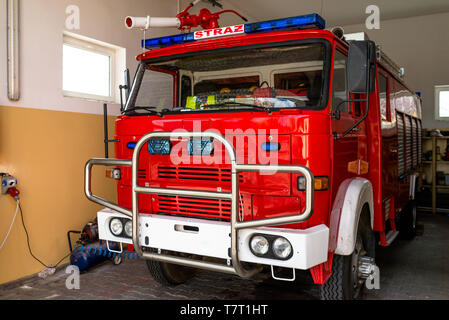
(301,22)
(309,21)
(168,41)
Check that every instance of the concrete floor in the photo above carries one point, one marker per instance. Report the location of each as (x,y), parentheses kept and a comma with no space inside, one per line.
(416,269)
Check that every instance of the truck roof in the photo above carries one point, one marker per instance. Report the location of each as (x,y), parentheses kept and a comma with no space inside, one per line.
(310,22)
(309,26)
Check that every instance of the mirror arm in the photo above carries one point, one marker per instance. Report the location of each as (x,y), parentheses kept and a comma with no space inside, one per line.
(368,84)
(359,121)
(121,96)
(336,113)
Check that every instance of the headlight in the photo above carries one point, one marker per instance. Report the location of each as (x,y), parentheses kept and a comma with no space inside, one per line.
(116,227)
(200,147)
(259,245)
(282,248)
(129,228)
(161,147)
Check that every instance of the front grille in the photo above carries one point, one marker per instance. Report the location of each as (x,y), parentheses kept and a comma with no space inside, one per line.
(184,206)
(192,173)
(142,174)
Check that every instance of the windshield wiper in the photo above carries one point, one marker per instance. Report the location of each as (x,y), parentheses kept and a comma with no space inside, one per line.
(150,110)
(253,106)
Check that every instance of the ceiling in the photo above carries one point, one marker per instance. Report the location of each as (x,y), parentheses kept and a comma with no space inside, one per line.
(337,12)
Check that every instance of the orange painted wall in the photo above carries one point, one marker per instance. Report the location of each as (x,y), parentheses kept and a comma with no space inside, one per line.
(47,151)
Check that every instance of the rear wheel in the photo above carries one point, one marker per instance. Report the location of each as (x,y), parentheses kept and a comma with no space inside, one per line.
(407,221)
(347,280)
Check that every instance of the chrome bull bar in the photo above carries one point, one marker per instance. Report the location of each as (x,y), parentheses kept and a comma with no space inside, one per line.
(235,267)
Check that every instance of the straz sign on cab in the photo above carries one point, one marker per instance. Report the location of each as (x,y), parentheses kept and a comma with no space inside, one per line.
(219,32)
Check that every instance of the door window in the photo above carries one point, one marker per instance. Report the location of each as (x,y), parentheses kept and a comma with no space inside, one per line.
(339,84)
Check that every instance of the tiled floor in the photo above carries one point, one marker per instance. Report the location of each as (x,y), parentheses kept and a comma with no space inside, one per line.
(416,269)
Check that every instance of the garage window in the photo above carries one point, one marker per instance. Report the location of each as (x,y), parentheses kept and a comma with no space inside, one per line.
(442,102)
(89,69)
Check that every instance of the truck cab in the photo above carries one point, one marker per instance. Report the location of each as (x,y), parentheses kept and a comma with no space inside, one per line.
(267,147)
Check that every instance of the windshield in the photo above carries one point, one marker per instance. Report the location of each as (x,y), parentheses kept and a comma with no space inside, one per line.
(261,79)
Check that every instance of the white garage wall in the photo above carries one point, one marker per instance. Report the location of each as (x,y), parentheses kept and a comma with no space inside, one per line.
(421,46)
(42,23)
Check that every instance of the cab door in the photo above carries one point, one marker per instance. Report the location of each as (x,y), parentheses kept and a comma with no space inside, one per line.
(350,151)
(390,145)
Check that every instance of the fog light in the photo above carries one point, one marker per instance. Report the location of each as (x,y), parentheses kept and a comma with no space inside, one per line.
(129,228)
(282,248)
(302,183)
(116,227)
(259,245)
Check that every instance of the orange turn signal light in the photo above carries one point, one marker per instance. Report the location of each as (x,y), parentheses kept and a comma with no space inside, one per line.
(321,183)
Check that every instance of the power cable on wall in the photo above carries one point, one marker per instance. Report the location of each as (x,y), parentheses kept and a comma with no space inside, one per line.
(29,245)
(10,227)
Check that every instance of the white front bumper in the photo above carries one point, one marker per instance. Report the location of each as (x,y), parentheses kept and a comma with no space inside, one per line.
(212,239)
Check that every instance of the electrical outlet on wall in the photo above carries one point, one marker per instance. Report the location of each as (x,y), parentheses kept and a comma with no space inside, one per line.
(7,182)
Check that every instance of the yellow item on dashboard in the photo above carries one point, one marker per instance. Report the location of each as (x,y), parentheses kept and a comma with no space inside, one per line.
(253,88)
(191,102)
(225,90)
(210,100)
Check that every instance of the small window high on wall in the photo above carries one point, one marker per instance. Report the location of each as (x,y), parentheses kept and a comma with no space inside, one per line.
(91,69)
(442,102)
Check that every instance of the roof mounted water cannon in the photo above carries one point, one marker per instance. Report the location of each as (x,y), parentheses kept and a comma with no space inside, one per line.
(148,22)
(184,21)
(206,19)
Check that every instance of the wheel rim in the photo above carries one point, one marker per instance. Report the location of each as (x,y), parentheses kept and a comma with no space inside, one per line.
(356,280)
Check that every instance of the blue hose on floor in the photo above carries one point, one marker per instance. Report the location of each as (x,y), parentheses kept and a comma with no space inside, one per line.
(86,256)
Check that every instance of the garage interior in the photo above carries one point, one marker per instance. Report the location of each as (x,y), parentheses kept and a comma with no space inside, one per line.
(47,135)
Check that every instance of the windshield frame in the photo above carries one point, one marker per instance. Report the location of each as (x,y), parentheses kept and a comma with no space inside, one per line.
(325,90)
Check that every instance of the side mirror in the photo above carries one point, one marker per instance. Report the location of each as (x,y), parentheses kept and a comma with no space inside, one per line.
(127,84)
(125,87)
(361,63)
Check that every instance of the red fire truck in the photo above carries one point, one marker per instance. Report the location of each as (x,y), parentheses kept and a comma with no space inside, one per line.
(274,146)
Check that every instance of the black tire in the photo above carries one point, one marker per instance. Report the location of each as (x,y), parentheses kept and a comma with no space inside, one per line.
(342,285)
(168,274)
(407,221)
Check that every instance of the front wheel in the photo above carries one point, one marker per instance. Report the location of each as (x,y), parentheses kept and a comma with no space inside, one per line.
(169,274)
(347,279)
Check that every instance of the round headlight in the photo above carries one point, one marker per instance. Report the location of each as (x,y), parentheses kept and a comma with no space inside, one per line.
(129,228)
(116,227)
(282,248)
(259,245)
